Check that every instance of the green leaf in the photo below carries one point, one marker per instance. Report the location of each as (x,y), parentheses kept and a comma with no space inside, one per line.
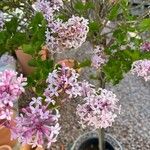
(37,30)
(120,63)
(120,35)
(48,64)
(94,26)
(145,25)
(113,71)
(37,46)
(85,63)
(79,6)
(114,12)
(28,48)
(33,63)
(89,5)
(145,55)
(37,20)
(134,55)
(17,40)
(3,41)
(62,17)
(3,37)
(12,25)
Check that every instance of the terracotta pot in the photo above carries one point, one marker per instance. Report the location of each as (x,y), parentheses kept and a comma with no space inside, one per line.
(5,147)
(24,59)
(5,137)
(67,62)
(5,134)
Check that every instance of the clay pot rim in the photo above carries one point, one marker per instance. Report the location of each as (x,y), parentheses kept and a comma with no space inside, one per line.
(5,146)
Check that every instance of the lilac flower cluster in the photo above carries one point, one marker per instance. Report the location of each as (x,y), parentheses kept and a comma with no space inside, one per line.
(142,69)
(61,35)
(37,126)
(1,19)
(145,47)
(99,110)
(63,81)
(11,88)
(99,58)
(67,35)
(48,8)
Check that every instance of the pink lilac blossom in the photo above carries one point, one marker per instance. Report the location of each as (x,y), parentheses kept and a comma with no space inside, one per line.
(142,69)
(99,58)
(63,80)
(145,47)
(45,5)
(99,110)
(67,35)
(11,87)
(87,89)
(1,19)
(48,8)
(37,125)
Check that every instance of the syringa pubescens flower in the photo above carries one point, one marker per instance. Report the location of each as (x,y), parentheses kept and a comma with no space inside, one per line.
(66,35)
(141,68)
(145,47)
(11,87)
(87,89)
(1,19)
(37,126)
(48,8)
(99,58)
(99,110)
(44,5)
(63,81)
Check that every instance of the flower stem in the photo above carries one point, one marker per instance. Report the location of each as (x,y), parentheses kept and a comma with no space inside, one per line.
(101,136)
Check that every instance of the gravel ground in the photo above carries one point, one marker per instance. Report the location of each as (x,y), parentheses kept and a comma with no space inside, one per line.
(132,127)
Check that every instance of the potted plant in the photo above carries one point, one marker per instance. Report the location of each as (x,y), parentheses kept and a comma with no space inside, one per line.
(115,36)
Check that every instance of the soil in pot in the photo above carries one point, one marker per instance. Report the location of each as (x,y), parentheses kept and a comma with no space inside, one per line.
(92,144)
